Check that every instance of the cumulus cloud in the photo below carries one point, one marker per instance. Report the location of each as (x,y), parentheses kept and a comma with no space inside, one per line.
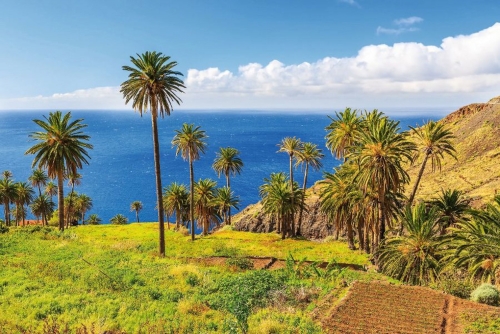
(462,69)
(402,25)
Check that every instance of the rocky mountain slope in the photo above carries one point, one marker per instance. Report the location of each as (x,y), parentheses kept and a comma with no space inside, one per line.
(476,171)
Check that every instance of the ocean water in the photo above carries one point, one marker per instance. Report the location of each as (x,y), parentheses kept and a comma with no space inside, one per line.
(121,168)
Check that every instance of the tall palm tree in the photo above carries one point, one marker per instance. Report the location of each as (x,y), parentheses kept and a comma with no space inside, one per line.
(451,206)
(24,196)
(434,140)
(83,204)
(310,155)
(227,161)
(269,183)
(292,146)
(336,200)
(8,195)
(175,201)
(74,179)
(39,179)
(153,85)
(225,200)
(205,208)
(343,132)
(136,206)
(414,257)
(61,149)
(51,189)
(380,156)
(190,142)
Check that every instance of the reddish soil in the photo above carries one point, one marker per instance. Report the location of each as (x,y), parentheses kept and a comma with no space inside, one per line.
(383,308)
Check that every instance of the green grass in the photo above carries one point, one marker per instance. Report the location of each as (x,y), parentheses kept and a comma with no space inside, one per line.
(110,278)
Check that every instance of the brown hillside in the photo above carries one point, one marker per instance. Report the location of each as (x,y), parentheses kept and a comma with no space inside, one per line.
(476,171)
(383,308)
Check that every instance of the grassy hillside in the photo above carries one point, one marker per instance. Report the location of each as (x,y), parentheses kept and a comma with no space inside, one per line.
(108,279)
(476,171)
(99,278)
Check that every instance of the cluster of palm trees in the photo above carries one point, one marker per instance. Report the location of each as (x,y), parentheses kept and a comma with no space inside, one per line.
(282,197)
(204,202)
(365,195)
(444,235)
(23,196)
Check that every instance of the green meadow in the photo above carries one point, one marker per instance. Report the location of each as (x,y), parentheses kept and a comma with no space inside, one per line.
(93,279)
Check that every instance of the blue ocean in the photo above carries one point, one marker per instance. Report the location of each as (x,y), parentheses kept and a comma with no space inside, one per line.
(121,168)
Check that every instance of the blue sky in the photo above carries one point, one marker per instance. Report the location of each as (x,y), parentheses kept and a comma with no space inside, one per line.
(321,54)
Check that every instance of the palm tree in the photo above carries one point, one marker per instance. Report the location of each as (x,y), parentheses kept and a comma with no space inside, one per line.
(7,174)
(39,179)
(292,146)
(94,219)
(83,204)
(380,157)
(153,84)
(205,209)
(279,202)
(61,149)
(414,257)
(42,206)
(451,206)
(189,142)
(72,211)
(7,195)
(227,161)
(343,132)
(119,219)
(224,200)
(477,243)
(24,196)
(136,206)
(434,140)
(51,189)
(175,201)
(310,155)
(336,200)
(74,179)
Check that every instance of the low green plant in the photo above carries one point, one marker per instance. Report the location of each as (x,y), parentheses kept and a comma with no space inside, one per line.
(486,294)
(242,263)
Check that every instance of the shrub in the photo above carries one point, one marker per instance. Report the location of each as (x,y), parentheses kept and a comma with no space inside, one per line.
(240,262)
(183,230)
(119,219)
(3,229)
(220,249)
(486,294)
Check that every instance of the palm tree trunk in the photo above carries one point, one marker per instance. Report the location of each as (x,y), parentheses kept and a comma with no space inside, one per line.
(367,238)
(156,149)
(360,227)
(70,204)
(60,199)
(350,234)
(7,211)
(417,182)
(303,199)
(177,219)
(283,226)
(191,196)
(229,210)
(137,215)
(292,218)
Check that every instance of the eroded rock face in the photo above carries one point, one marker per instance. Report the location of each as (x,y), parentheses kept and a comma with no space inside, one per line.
(315,225)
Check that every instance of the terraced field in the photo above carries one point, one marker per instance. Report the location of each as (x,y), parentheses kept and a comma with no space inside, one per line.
(388,309)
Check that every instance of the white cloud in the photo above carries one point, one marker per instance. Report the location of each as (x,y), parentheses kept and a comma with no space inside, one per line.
(462,69)
(403,25)
(350,2)
(408,21)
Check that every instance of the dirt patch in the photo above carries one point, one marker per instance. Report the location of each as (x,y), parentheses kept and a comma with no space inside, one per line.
(377,307)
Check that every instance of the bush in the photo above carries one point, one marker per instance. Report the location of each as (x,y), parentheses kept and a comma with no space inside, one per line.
(183,230)
(3,229)
(240,262)
(119,219)
(486,294)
